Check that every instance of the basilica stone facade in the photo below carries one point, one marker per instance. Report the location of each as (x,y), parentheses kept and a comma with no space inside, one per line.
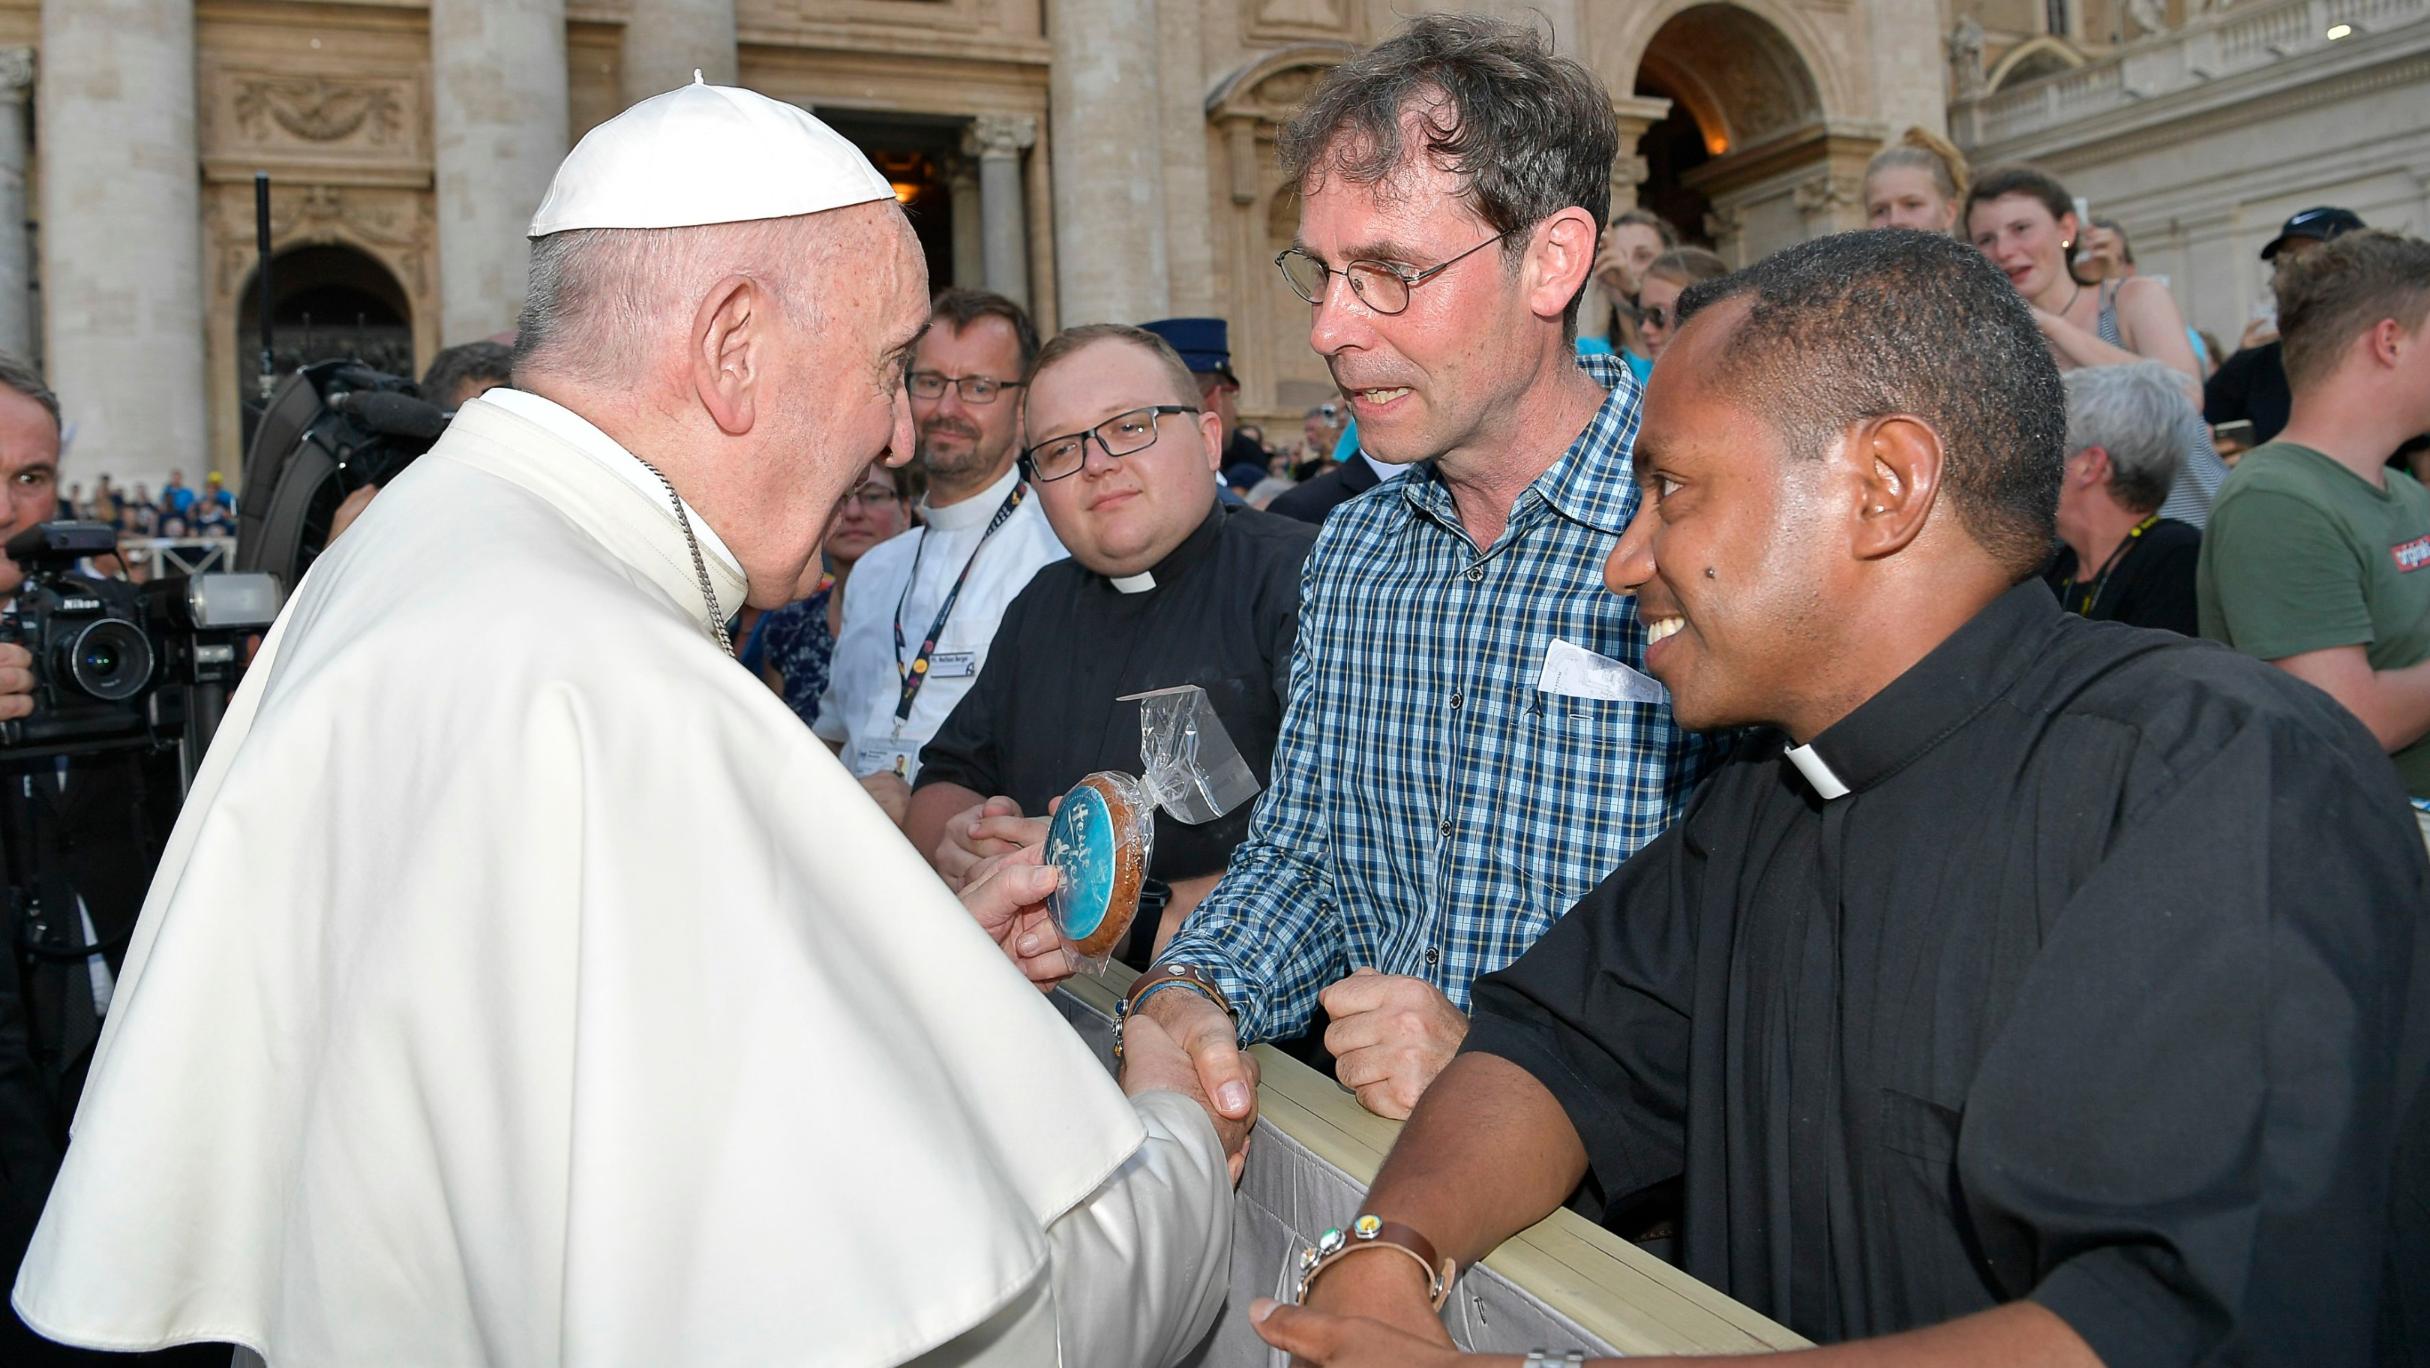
(1099,159)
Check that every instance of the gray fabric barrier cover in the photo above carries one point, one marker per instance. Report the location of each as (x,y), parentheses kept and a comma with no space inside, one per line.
(1288,1197)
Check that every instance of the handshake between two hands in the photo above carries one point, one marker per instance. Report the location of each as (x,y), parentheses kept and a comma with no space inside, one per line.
(1004,885)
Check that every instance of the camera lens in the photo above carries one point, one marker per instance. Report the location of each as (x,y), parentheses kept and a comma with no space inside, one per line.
(109,659)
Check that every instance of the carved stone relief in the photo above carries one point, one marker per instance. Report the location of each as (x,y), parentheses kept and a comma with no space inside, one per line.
(1824,193)
(370,118)
(16,73)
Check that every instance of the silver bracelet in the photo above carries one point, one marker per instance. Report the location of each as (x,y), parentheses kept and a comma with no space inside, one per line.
(1546,1358)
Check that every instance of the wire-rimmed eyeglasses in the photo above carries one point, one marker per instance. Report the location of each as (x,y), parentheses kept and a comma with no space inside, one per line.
(1381,286)
(975,389)
(1125,434)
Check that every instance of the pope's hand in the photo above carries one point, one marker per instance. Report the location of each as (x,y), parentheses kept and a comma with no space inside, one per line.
(1152,1061)
(890,793)
(995,827)
(1327,1340)
(1390,1036)
(16,682)
(1009,903)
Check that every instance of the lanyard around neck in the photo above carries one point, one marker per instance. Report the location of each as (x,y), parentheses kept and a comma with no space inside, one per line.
(2117,554)
(914,672)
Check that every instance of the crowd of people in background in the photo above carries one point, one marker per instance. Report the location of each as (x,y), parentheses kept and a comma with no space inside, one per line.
(178,511)
(1561,645)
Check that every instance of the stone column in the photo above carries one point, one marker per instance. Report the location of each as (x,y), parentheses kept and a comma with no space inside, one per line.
(1109,198)
(1910,66)
(665,41)
(497,75)
(996,140)
(122,220)
(16,261)
(962,190)
(1634,114)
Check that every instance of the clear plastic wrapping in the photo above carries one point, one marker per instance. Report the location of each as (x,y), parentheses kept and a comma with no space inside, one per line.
(1191,768)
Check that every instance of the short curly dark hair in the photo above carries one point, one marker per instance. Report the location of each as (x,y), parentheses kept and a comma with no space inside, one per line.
(1530,133)
(1868,324)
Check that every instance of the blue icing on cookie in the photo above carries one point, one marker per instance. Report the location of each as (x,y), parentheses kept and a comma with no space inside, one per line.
(1082,845)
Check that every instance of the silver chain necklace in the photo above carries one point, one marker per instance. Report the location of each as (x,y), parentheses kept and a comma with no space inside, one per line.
(700,565)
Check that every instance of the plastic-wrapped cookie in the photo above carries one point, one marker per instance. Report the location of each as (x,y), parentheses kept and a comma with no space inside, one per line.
(1100,840)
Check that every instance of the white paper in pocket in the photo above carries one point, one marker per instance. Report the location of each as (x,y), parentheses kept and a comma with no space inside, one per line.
(1573,671)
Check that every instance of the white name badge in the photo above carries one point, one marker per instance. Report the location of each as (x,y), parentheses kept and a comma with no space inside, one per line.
(953,665)
(885,757)
(1573,671)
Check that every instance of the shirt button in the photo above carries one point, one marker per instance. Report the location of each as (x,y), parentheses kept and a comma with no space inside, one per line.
(1476,573)
(1433,957)
(1445,829)
(1455,700)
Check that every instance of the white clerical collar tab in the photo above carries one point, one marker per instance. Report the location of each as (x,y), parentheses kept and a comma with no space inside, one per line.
(1817,772)
(973,511)
(1135,584)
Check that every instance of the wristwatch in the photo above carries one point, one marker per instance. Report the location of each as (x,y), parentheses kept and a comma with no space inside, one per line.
(1173,974)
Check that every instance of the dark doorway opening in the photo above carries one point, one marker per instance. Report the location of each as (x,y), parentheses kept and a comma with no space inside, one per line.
(913,152)
(326,303)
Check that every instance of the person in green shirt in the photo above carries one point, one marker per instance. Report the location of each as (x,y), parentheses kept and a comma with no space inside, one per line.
(2317,558)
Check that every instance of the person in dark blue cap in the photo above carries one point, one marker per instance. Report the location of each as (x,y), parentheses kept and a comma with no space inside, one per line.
(2251,386)
(1205,345)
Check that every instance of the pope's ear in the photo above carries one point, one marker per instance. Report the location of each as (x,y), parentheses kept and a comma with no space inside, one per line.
(1896,461)
(726,336)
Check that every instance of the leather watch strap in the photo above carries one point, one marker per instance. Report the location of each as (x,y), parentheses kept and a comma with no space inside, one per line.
(1177,972)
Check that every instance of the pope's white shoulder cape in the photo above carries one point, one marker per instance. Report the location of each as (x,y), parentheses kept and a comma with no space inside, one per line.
(525,985)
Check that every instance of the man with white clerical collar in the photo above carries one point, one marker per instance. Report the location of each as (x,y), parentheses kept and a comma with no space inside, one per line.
(1164,588)
(522,985)
(922,608)
(2043,991)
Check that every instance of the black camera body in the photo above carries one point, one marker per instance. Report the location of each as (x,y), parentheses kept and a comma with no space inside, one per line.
(118,664)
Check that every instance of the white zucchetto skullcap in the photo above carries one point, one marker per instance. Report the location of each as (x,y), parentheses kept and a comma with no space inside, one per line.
(705,154)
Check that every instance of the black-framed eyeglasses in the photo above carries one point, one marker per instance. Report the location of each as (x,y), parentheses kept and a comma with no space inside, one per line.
(1381,286)
(1657,315)
(975,389)
(1124,434)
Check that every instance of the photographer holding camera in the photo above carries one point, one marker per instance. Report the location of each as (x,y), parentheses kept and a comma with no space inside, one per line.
(82,834)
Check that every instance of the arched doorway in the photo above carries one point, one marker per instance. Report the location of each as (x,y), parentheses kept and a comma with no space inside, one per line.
(1746,158)
(326,302)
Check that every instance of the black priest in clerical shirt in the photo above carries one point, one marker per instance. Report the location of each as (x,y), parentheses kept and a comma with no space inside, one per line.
(2080,963)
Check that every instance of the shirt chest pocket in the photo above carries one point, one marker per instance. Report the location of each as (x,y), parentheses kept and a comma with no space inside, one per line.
(1588,785)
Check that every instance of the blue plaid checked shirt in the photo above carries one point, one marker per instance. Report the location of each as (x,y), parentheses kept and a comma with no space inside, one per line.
(1432,812)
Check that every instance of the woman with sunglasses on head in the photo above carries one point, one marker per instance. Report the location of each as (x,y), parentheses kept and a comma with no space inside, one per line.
(2023,219)
(792,646)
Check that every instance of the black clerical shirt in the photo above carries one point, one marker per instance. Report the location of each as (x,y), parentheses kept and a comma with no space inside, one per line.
(2093,987)
(1222,613)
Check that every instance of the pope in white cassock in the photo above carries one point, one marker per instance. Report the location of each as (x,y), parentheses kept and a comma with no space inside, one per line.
(523,983)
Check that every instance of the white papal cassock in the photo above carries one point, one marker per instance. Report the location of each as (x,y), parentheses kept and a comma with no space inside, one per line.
(525,985)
